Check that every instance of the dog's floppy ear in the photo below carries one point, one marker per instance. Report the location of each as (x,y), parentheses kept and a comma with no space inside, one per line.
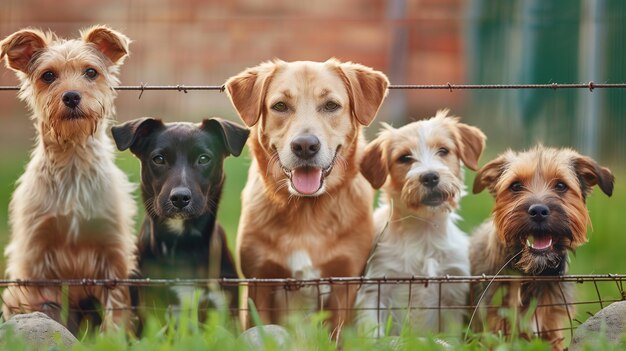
(233,135)
(489,174)
(591,173)
(111,43)
(374,165)
(20,47)
(366,87)
(247,91)
(127,135)
(471,145)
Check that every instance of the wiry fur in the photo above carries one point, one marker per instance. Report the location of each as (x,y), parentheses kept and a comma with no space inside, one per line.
(281,233)
(540,174)
(416,224)
(71,214)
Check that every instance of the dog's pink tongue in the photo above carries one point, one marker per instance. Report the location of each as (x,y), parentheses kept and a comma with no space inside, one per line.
(307,180)
(541,243)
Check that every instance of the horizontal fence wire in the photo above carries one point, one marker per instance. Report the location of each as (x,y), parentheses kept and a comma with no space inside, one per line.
(314,282)
(448,86)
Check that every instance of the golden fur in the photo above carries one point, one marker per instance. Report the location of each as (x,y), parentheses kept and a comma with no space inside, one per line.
(561,179)
(281,233)
(71,214)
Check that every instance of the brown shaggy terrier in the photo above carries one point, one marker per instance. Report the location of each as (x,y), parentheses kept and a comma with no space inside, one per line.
(71,214)
(539,216)
(306,209)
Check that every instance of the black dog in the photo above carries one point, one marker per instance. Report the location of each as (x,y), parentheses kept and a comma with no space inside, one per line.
(181,183)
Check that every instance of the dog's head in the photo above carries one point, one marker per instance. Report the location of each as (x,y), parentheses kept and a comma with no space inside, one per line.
(181,163)
(67,83)
(540,203)
(306,119)
(419,164)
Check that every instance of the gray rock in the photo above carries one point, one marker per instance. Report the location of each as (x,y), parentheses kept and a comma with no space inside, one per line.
(611,321)
(38,330)
(252,337)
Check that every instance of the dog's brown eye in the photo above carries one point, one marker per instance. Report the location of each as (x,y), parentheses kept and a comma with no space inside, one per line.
(48,77)
(405,158)
(331,106)
(158,159)
(91,73)
(516,187)
(560,187)
(204,159)
(443,151)
(280,107)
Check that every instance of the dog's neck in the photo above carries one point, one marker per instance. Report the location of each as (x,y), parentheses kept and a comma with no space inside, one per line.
(56,146)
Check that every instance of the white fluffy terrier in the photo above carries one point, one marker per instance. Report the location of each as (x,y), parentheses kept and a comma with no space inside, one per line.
(419,167)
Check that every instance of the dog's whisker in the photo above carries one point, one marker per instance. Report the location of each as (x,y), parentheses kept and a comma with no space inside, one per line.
(412,217)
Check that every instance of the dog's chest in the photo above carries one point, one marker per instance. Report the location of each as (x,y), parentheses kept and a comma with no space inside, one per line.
(78,196)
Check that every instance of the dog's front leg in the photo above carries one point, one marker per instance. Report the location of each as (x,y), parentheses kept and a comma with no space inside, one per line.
(342,296)
(116,301)
(262,297)
(370,318)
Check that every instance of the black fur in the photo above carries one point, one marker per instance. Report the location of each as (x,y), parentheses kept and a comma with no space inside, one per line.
(189,158)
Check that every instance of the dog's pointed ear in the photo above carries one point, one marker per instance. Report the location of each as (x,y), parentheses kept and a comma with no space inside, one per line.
(488,175)
(247,91)
(127,135)
(20,47)
(471,145)
(366,87)
(233,135)
(374,165)
(590,173)
(113,44)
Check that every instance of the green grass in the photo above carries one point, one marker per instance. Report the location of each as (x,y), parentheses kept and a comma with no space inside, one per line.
(603,254)
(305,333)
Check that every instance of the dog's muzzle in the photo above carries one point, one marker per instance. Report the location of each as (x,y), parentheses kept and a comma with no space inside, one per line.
(309,178)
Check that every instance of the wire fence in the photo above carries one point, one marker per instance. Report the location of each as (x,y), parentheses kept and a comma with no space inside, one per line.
(448,86)
(606,289)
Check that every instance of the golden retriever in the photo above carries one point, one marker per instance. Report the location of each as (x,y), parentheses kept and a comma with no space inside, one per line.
(306,209)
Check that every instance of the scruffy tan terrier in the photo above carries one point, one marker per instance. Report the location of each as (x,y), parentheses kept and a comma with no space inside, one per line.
(539,216)
(71,214)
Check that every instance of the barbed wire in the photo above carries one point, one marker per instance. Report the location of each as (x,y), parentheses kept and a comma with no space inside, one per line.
(318,281)
(448,86)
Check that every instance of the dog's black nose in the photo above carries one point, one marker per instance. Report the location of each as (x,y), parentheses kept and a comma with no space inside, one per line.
(430,179)
(180,197)
(71,98)
(305,146)
(538,212)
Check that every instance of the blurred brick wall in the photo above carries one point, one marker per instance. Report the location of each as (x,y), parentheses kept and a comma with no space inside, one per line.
(205,42)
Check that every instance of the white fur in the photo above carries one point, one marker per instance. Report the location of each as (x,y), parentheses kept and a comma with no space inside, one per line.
(421,248)
(422,242)
(176,225)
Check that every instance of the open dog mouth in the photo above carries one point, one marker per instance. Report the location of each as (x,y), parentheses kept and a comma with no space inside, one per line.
(309,179)
(539,243)
(434,199)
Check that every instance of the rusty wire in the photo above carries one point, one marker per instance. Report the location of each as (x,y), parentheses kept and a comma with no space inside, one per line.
(291,284)
(448,86)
